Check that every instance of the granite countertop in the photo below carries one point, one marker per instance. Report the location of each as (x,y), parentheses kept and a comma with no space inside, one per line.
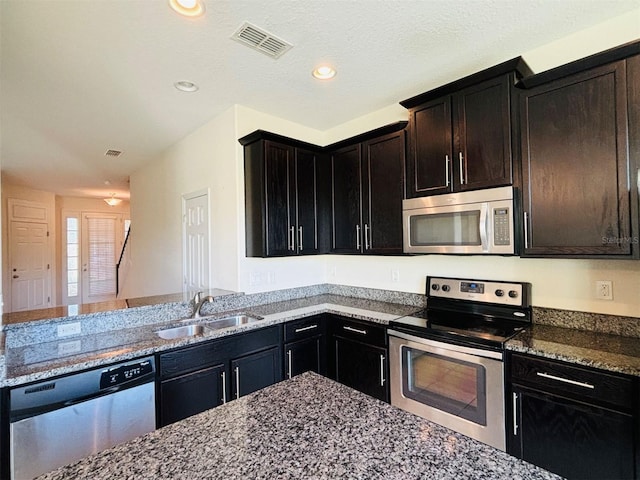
(614,353)
(307,427)
(38,361)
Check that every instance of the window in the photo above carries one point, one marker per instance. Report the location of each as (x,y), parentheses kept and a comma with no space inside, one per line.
(73,253)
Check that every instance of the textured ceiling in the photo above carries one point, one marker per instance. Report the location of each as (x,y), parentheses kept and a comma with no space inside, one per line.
(78,77)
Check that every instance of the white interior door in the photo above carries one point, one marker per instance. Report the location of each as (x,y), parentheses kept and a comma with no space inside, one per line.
(195,227)
(30,266)
(101,244)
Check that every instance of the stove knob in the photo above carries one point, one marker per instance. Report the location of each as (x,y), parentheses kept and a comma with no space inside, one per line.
(435,287)
(499,293)
(513,294)
(445,288)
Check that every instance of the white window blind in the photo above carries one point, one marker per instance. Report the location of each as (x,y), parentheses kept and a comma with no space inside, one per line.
(102,256)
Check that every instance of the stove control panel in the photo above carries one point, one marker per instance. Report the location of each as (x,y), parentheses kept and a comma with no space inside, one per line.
(485,291)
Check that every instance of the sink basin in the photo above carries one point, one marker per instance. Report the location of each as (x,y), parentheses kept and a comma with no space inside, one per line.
(181,332)
(233,321)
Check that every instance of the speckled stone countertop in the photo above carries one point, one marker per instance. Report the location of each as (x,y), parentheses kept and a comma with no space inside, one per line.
(38,361)
(309,427)
(614,353)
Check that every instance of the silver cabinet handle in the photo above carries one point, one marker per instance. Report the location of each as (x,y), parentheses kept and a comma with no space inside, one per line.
(446,170)
(357,237)
(355,330)
(367,244)
(382,379)
(304,329)
(515,414)
(461,168)
(565,380)
(224,387)
(237,382)
(300,237)
(289,363)
(526,230)
(292,237)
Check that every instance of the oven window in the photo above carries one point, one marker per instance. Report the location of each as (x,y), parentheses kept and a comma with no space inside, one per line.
(443,229)
(448,384)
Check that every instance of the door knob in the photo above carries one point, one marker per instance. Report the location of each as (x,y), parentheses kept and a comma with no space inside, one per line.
(16,276)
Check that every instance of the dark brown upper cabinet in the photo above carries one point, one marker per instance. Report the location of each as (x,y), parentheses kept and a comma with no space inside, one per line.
(285,196)
(580,148)
(460,134)
(367,186)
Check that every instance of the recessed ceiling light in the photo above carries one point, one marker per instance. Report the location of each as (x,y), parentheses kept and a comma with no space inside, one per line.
(189,8)
(324,72)
(186,86)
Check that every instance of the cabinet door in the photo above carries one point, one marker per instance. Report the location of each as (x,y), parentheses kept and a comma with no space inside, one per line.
(362,367)
(346,201)
(483,136)
(573,439)
(255,371)
(383,186)
(307,202)
(278,169)
(190,394)
(303,356)
(430,160)
(576,165)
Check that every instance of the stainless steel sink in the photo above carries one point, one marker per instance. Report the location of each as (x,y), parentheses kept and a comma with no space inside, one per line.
(181,332)
(233,321)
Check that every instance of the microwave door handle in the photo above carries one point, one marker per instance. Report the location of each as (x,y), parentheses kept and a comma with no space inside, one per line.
(484,227)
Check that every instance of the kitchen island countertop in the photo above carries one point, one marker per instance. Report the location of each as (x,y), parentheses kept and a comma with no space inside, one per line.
(309,427)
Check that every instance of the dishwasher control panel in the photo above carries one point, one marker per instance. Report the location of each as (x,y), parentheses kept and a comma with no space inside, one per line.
(125,373)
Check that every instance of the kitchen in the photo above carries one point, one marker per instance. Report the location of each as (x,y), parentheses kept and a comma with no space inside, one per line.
(393,273)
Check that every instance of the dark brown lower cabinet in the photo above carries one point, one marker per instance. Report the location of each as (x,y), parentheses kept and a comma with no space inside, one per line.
(574,439)
(255,371)
(197,378)
(359,356)
(192,393)
(578,422)
(304,356)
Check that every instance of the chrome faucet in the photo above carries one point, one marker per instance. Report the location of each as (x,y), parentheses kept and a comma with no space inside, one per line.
(198,302)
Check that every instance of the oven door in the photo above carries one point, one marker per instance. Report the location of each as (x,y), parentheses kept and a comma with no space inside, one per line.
(458,387)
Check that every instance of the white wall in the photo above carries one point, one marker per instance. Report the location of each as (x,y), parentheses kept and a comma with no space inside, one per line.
(212,158)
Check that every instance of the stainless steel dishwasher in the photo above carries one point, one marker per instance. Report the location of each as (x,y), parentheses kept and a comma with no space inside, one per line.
(59,421)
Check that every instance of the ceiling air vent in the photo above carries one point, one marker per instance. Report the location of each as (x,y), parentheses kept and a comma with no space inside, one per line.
(261,40)
(113,153)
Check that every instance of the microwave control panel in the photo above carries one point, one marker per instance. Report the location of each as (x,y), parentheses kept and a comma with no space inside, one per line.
(501,226)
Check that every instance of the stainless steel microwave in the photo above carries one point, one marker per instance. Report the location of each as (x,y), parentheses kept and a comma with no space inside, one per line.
(476,222)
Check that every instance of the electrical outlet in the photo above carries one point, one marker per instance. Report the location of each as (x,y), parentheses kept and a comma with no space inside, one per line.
(271,278)
(69,329)
(255,279)
(334,271)
(395,275)
(604,290)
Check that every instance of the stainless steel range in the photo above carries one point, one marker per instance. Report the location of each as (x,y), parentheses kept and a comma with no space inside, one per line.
(447,361)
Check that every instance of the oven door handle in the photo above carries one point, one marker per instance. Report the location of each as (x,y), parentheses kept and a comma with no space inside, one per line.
(484,226)
(478,352)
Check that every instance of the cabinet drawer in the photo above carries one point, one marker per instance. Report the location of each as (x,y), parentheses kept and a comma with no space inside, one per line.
(189,359)
(304,328)
(360,331)
(573,381)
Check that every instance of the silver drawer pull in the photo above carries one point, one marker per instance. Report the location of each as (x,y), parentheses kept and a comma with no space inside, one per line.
(289,363)
(565,380)
(304,329)
(224,387)
(382,379)
(515,414)
(355,330)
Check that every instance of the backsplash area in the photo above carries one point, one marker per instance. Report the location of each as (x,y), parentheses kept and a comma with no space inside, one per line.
(45,329)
